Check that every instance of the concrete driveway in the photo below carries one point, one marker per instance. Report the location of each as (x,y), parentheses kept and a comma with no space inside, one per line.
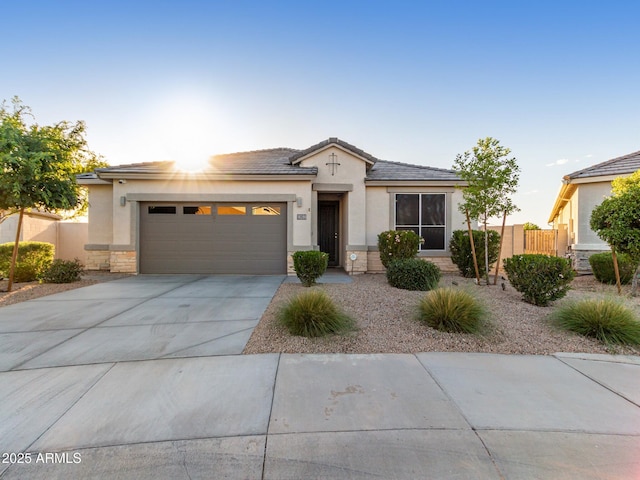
(98,392)
(144,317)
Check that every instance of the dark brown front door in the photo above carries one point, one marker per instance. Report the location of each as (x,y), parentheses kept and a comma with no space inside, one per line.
(328,223)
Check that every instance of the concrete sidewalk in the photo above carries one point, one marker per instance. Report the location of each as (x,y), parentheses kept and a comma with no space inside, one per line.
(431,415)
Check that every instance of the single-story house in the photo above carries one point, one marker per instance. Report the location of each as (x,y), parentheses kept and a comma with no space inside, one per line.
(579,194)
(247,213)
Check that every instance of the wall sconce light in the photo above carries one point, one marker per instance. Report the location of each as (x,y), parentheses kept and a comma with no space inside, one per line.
(299,201)
(333,164)
(123,201)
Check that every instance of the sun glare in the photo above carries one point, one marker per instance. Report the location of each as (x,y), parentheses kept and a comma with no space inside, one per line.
(185,127)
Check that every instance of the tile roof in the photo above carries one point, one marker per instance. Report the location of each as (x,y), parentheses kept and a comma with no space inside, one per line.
(624,165)
(282,161)
(386,170)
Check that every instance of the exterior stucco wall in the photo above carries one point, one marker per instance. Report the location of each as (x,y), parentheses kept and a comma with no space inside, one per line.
(589,195)
(100,214)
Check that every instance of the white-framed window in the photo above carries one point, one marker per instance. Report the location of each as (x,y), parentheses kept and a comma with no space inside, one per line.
(425,214)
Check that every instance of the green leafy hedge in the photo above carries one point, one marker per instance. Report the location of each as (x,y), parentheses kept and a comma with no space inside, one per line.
(602,267)
(310,265)
(413,274)
(540,278)
(461,255)
(397,244)
(34,258)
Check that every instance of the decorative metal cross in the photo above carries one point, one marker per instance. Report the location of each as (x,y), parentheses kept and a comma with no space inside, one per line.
(333,163)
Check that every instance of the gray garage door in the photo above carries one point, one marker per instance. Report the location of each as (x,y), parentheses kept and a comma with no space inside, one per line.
(241,238)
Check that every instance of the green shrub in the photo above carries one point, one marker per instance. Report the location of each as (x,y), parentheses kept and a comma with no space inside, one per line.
(413,274)
(397,244)
(607,320)
(63,271)
(313,314)
(602,267)
(452,310)
(310,265)
(33,260)
(540,278)
(461,255)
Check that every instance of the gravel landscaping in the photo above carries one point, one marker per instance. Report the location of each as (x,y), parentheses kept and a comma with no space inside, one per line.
(386,321)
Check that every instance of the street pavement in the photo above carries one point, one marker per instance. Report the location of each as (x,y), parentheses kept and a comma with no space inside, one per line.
(143,378)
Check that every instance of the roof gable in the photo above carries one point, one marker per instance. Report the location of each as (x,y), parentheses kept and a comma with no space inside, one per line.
(333,141)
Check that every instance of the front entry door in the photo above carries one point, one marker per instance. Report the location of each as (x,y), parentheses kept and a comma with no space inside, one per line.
(328,223)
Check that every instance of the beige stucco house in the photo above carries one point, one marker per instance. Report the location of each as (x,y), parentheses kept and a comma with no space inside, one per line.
(579,193)
(249,212)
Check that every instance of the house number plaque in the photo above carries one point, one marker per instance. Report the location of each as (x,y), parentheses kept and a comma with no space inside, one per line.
(302,216)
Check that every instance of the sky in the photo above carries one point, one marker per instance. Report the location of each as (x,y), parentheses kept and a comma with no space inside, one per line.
(557,82)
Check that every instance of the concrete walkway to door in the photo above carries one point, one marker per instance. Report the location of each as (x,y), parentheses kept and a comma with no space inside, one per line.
(145,317)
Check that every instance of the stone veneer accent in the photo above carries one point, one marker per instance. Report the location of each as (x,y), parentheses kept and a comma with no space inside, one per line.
(580,260)
(97,260)
(123,261)
(375,264)
(360,265)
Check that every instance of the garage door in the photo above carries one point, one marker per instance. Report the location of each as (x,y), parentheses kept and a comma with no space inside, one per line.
(240,238)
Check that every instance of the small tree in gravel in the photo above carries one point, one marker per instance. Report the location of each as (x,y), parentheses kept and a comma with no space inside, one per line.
(491,180)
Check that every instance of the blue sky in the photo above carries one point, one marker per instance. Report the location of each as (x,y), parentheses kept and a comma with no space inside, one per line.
(558,82)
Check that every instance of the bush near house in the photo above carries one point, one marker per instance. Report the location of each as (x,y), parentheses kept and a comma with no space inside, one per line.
(540,278)
(310,265)
(602,267)
(34,258)
(452,310)
(63,271)
(607,320)
(461,255)
(413,274)
(397,244)
(313,314)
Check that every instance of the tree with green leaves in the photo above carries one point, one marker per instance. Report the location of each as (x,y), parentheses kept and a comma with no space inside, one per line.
(38,166)
(617,221)
(530,226)
(491,179)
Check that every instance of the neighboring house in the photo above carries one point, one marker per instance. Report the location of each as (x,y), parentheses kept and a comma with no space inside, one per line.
(248,212)
(580,192)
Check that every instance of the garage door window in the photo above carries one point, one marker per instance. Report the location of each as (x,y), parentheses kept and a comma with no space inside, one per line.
(232,210)
(162,210)
(265,210)
(196,210)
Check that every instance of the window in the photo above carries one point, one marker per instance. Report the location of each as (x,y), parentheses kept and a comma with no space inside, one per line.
(265,210)
(196,210)
(162,209)
(425,214)
(231,210)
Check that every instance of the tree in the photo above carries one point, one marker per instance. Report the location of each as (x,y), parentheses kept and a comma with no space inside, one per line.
(621,184)
(491,180)
(617,221)
(38,165)
(530,226)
